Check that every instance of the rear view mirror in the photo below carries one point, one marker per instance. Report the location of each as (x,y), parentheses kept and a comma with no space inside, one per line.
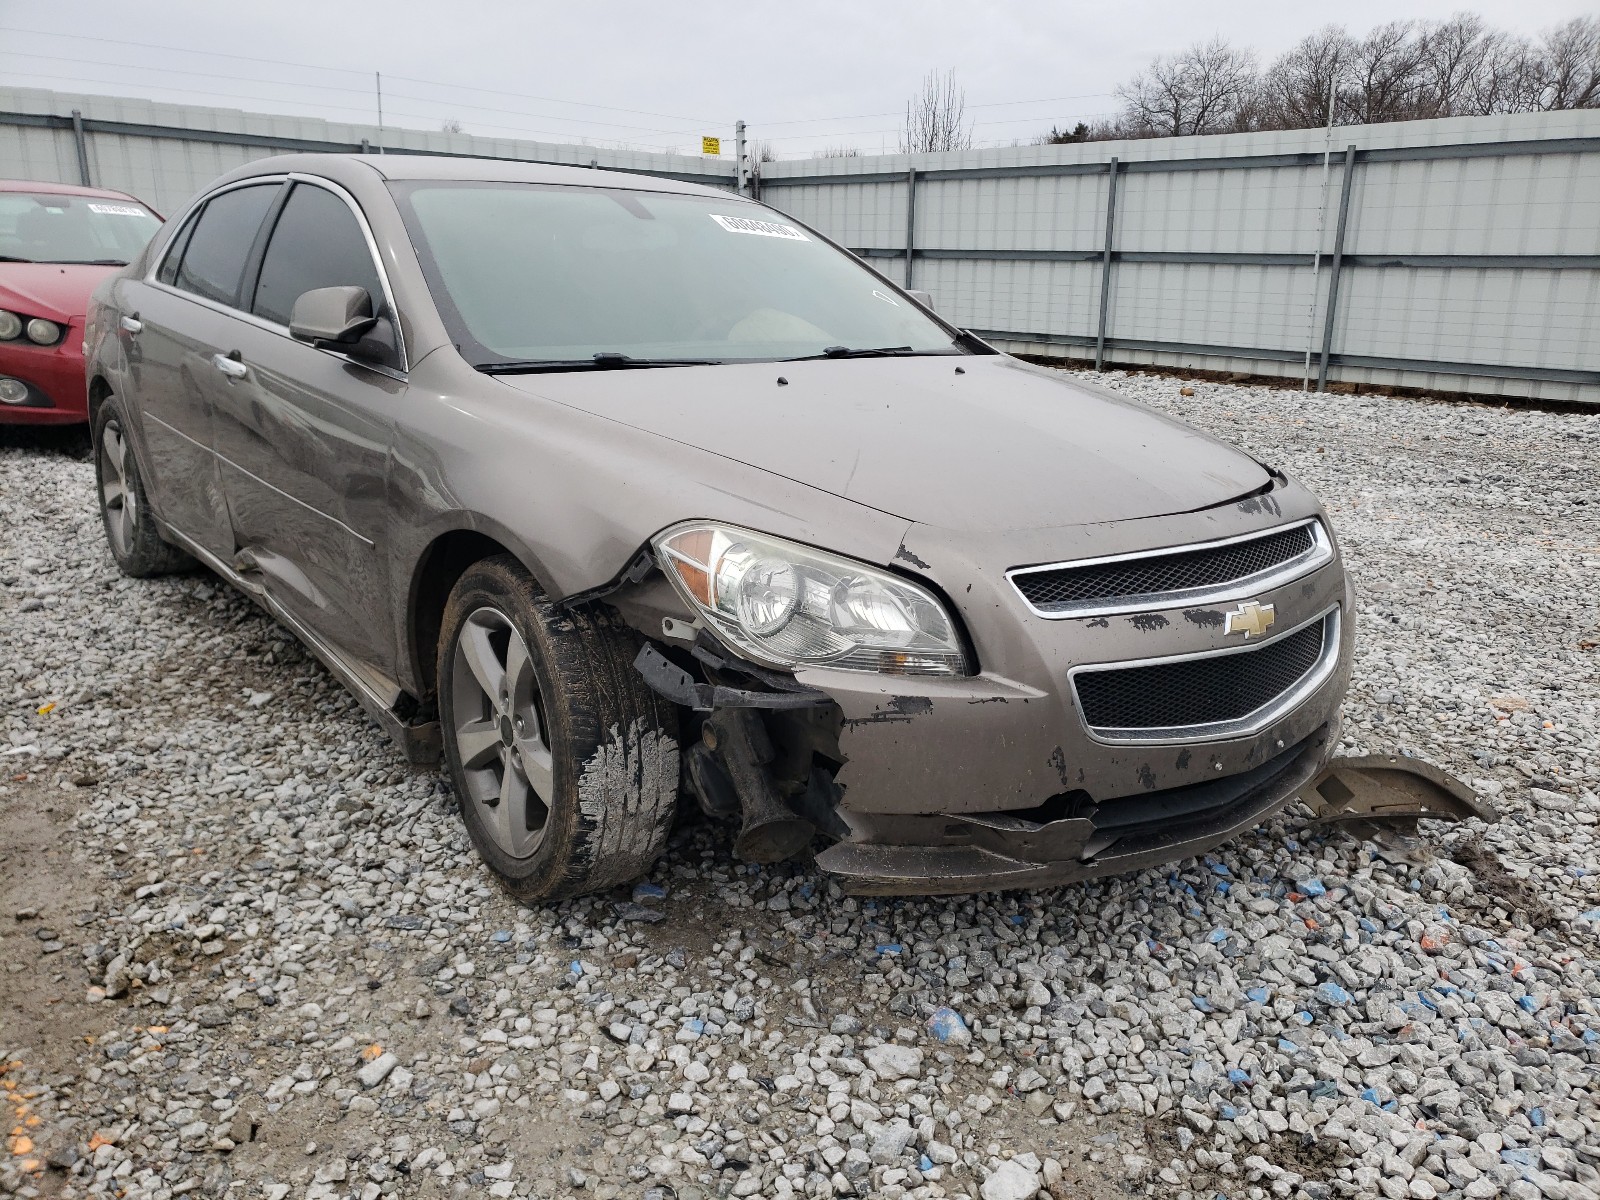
(332,317)
(923,298)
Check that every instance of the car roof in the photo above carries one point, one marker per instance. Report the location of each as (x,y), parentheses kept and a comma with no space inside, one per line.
(63,189)
(401,166)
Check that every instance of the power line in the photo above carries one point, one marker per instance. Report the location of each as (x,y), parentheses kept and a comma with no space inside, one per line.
(559,136)
(353,71)
(638,112)
(367,91)
(277,62)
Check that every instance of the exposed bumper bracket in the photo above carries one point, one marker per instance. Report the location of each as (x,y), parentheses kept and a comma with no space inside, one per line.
(672,682)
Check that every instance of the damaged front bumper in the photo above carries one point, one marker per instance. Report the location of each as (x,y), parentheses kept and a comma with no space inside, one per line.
(954,854)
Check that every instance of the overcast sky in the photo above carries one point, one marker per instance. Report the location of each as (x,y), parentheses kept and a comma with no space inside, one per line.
(804,74)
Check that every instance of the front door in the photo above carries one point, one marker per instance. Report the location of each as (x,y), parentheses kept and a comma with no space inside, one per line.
(303,436)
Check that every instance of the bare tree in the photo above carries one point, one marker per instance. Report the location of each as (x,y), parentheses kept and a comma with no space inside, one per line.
(1397,72)
(452,126)
(1568,69)
(1204,89)
(840,151)
(936,119)
(1460,58)
(1383,80)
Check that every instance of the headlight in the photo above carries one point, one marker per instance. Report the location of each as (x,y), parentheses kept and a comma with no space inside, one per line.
(42,331)
(790,606)
(10,325)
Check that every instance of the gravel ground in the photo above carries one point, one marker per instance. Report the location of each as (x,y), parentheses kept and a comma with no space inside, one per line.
(245,950)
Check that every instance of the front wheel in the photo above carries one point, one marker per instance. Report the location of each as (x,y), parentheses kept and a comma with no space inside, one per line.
(136,543)
(565,763)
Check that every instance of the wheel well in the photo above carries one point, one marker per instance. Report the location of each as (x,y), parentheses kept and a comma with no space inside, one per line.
(99,389)
(445,561)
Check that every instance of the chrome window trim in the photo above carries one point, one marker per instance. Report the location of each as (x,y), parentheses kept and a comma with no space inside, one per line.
(1245,726)
(178,223)
(1320,554)
(399,373)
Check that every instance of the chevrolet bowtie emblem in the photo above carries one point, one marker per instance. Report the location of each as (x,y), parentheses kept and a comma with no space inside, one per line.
(1251,618)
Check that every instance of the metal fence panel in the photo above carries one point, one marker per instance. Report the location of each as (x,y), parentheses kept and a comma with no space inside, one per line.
(1470,257)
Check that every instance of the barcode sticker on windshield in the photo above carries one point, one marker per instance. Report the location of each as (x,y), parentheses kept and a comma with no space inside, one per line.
(759,228)
(116,210)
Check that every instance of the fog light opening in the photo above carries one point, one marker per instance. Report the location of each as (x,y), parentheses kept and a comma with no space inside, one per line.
(12,391)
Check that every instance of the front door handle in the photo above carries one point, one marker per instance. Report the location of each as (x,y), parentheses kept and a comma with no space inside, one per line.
(132,324)
(231,367)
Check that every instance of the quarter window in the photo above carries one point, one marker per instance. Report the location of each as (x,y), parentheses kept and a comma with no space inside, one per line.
(214,259)
(169,264)
(316,243)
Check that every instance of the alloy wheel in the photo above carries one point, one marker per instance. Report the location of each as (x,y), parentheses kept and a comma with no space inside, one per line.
(500,732)
(117,495)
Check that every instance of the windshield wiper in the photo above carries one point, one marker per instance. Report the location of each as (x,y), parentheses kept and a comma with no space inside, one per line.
(869,352)
(88,262)
(13,258)
(606,360)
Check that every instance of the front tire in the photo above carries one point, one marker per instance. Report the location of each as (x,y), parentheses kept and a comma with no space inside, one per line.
(136,543)
(564,762)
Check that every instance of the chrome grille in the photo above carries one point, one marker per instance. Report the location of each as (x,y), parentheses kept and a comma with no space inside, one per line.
(1206,572)
(1226,693)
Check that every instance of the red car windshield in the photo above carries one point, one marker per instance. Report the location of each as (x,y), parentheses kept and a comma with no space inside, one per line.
(49,228)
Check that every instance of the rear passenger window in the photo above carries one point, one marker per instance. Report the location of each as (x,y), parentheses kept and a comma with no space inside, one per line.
(213,261)
(316,243)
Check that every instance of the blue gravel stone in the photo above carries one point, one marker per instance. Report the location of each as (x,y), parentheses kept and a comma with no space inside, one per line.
(1332,993)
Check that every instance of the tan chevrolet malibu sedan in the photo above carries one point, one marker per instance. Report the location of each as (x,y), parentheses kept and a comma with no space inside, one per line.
(611,489)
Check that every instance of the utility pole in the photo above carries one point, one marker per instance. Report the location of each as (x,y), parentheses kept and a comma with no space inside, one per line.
(378,78)
(741,169)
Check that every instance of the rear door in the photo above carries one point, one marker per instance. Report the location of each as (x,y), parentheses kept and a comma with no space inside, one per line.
(303,435)
(176,326)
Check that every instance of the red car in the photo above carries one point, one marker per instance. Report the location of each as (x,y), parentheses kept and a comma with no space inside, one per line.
(56,243)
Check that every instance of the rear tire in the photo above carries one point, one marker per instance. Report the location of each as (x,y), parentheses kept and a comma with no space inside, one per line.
(565,763)
(136,543)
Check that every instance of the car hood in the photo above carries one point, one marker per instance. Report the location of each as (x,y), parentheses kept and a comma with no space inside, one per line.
(969,443)
(56,291)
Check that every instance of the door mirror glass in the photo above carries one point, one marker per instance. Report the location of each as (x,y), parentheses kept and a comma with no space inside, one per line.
(332,317)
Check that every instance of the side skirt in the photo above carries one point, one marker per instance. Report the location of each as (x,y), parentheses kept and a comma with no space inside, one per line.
(421,743)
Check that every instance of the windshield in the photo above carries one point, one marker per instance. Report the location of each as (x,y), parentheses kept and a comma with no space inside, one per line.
(44,227)
(531,274)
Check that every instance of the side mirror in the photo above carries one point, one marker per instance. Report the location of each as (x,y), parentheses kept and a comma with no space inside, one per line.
(923,298)
(332,317)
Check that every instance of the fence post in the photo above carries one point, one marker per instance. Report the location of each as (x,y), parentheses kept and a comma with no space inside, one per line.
(911,221)
(1105,269)
(1333,269)
(83,148)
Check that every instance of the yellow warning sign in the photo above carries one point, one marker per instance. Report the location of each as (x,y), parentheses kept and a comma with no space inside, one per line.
(710,145)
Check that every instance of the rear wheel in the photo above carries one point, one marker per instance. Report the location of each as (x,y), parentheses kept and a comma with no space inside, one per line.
(136,544)
(565,763)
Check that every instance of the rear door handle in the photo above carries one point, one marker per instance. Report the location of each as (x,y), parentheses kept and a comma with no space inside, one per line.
(231,367)
(132,324)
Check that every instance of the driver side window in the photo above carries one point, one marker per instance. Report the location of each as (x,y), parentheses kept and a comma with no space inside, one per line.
(316,243)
